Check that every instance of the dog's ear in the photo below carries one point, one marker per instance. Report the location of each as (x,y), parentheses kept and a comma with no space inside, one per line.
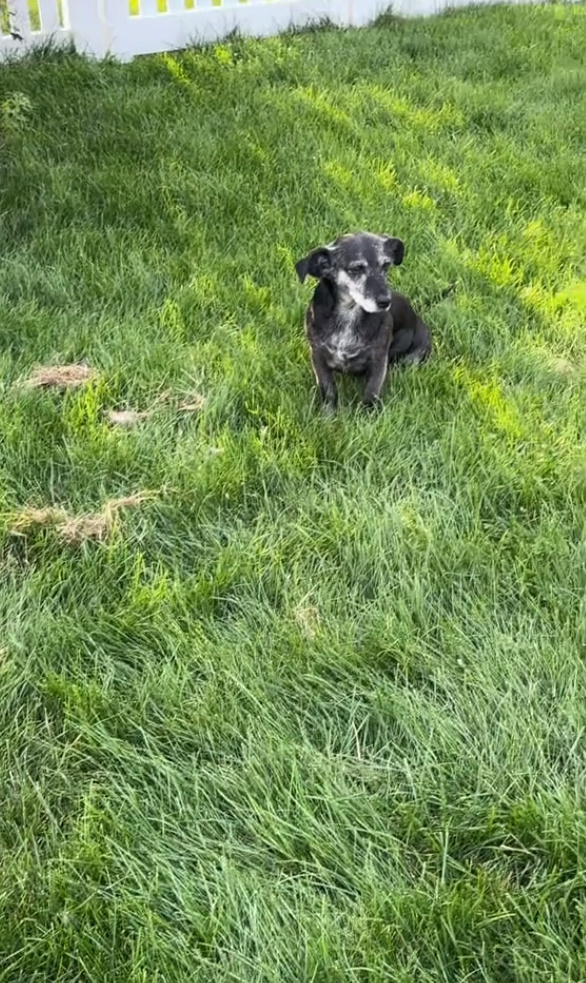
(318,264)
(394,250)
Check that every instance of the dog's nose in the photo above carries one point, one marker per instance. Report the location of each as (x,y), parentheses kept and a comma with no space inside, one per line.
(383,301)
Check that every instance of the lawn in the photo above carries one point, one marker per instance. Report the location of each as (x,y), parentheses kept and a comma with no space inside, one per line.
(308,704)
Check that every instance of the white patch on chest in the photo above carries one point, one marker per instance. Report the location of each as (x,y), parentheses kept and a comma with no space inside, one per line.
(344,345)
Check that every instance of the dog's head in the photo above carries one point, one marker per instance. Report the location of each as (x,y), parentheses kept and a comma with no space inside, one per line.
(358,266)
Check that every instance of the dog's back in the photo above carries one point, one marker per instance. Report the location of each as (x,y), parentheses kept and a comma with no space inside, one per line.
(411,338)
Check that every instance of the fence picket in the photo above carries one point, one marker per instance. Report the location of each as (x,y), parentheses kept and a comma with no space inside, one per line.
(148,8)
(88,26)
(50,22)
(18,20)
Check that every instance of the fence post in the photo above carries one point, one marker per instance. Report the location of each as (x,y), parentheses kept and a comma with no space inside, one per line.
(88,25)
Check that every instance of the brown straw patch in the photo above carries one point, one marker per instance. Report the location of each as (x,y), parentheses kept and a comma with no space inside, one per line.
(75,529)
(78,528)
(191,404)
(59,377)
(29,519)
(126,418)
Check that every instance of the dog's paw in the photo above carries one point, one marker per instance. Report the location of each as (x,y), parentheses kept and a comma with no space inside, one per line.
(372,405)
(418,357)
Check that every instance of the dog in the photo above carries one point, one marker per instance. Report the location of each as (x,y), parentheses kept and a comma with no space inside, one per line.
(355,324)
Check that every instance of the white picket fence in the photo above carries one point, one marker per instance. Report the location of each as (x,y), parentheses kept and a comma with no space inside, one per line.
(125,28)
(131,27)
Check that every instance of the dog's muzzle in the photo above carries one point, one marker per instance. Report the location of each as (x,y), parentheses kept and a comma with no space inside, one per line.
(383,301)
(377,290)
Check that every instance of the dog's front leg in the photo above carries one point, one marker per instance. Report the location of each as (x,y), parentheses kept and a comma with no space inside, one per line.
(326,383)
(375,381)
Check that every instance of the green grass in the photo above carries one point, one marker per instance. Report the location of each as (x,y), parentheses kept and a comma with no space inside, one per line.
(317,711)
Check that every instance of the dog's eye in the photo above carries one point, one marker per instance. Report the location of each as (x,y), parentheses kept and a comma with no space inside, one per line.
(357,270)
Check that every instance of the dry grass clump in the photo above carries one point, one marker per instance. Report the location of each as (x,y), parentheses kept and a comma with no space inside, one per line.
(59,377)
(75,529)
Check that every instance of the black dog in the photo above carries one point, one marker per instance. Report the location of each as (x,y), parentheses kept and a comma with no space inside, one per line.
(354,323)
